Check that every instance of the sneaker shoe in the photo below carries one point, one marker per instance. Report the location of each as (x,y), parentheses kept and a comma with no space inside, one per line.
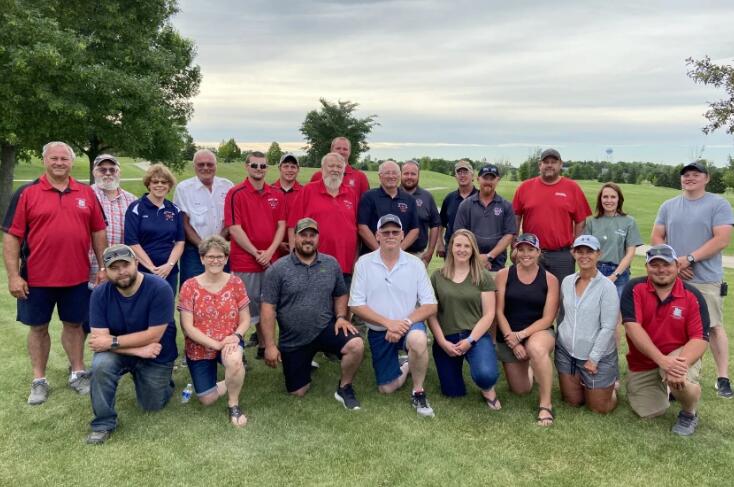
(345,395)
(80,382)
(97,437)
(723,388)
(686,424)
(420,403)
(314,365)
(39,392)
(332,357)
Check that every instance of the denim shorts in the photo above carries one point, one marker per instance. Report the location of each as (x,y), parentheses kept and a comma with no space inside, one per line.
(385,354)
(607,369)
(204,373)
(608,268)
(72,304)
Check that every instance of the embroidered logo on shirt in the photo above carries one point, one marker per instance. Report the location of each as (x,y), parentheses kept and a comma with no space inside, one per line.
(677,313)
(168,215)
(348,204)
(273,202)
(497,211)
(81,202)
(351,182)
(419,203)
(403,207)
(558,193)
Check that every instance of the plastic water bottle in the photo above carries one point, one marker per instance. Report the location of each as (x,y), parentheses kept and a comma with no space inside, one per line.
(186,394)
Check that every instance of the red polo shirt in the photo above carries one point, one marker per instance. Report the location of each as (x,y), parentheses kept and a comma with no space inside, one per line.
(55,228)
(551,210)
(337,219)
(355,179)
(258,213)
(671,323)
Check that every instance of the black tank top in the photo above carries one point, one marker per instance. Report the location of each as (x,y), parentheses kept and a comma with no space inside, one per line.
(524,303)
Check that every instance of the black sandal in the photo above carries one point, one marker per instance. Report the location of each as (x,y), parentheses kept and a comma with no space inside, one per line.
(551,418)
(235,413)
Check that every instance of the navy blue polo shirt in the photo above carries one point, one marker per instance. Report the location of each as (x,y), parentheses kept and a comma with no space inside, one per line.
(488,223)
(428,218)
(376,203)
(151,305)
(155,229)
(449,207)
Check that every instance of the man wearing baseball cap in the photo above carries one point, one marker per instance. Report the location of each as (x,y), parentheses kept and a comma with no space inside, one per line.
(464,173)
(305,290)
(386,285)
(667,328)
(698,225)
(288,169)
(131,318)
(490,217)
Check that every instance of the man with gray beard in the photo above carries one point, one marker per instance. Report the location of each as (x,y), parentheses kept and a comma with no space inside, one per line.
(334,207)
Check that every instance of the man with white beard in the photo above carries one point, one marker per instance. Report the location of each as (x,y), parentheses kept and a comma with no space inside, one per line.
(334,207)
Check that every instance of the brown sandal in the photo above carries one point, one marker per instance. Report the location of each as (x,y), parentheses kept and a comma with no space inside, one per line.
(235,413)
(546,418)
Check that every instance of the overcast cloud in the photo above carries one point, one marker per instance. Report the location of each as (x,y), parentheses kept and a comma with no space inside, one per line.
(453,78)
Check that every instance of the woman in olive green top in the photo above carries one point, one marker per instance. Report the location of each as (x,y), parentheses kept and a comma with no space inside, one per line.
(465,294)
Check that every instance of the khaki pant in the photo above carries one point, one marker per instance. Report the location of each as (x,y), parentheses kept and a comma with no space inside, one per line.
(714,302)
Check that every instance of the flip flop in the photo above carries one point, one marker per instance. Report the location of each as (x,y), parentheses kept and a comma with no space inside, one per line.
(493,404)
(235,413)
(546,418)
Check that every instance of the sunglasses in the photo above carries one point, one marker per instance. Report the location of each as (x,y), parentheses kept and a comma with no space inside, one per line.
(390,233)
(255,165)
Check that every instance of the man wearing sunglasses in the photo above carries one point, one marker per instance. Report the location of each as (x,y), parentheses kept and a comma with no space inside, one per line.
(255,214)
(201,199)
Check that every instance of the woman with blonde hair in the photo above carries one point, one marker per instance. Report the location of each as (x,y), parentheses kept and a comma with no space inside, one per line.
(466,306)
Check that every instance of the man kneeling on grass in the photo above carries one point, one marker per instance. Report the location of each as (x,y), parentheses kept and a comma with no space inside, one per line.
(667,325)
(305,290)
(132,330)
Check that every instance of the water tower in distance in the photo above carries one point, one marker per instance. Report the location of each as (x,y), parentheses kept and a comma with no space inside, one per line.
(609,152)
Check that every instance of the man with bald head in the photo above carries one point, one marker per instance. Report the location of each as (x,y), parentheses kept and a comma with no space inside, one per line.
(201,199)
(389,198)
(354,179)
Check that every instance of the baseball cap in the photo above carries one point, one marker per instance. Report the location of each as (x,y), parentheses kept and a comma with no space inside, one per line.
(306,223)
(463,165)
(116,252)
(389,218)
(527,238)
(105,157)
(662,251)
(288,155)
(550,153)
(489,169)
(587,241)
(696,166)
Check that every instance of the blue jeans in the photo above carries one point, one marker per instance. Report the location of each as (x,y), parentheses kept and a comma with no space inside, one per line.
(482,365)
(153,385)
(608,268)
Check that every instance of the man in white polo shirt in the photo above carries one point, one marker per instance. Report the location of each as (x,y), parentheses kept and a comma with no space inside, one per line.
(201,199)
(386,285)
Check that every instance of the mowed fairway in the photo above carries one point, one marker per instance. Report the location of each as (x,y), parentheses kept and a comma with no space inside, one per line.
(314,441)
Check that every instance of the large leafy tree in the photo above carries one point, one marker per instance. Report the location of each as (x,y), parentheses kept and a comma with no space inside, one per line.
(720,113)
(334,120)
(274,154)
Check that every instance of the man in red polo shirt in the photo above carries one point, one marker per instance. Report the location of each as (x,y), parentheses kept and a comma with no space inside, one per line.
(355,179)
(291,188)
(334,207)
(667,325)
(49,227)
(554,208)
(255,214)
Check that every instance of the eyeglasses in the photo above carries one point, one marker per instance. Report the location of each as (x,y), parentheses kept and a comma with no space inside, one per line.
(255,165)
(213,258)
(390,233)
(159,181)
(107,170)
(205,164)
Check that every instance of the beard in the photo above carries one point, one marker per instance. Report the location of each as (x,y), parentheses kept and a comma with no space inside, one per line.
(308,251)
(332,183)
(107,185)
(127,282)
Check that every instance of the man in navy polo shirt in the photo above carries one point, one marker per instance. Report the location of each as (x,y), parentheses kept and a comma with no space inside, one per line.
(490,217)
(49,227)
(389,198)
(429,220)
(131,316)
(464,178)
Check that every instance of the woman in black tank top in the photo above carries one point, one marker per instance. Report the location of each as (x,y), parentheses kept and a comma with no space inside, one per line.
(527,304)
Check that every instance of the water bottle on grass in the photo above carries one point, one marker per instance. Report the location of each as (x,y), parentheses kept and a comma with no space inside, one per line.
(186,394)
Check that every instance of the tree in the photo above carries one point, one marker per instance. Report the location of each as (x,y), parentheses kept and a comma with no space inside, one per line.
(135,79)
(720,113)
(274,154)
(529,168)
(189,148)
(334,120)
(229,151)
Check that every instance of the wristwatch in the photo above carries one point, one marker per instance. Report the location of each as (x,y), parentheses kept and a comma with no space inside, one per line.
(690,258)
(239,335)
(470,340)
(489,257)
(616,274)
(115,344)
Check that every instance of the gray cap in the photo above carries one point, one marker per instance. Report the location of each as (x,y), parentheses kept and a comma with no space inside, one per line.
(117,252)
(389,218)
(463,165)
(696,166)
(662,251)
(527,238)
(550,153)
(587,241)
(105,157)
(288,156)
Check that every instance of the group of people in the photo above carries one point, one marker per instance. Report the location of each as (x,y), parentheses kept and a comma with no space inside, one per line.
(321,260)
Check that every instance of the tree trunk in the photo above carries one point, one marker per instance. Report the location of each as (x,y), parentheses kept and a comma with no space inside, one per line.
(92,153)
(7,168)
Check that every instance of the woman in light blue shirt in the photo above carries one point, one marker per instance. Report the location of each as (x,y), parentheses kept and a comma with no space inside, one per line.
(586,351)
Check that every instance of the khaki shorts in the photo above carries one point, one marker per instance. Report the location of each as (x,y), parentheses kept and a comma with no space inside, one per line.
(505,354)
(647,391)
(714,302)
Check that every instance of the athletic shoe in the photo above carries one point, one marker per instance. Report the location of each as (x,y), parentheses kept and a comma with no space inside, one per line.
(97,437)
(314,365)
(39,392)
(420,403)
(345,395)
(80,382)
(686,424)
(724,388)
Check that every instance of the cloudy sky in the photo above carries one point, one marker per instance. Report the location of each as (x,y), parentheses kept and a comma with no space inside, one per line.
(456,78)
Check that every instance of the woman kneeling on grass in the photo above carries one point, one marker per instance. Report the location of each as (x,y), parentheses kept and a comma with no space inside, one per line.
(466,303)
(214,318)
(586,351)
(527,303)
